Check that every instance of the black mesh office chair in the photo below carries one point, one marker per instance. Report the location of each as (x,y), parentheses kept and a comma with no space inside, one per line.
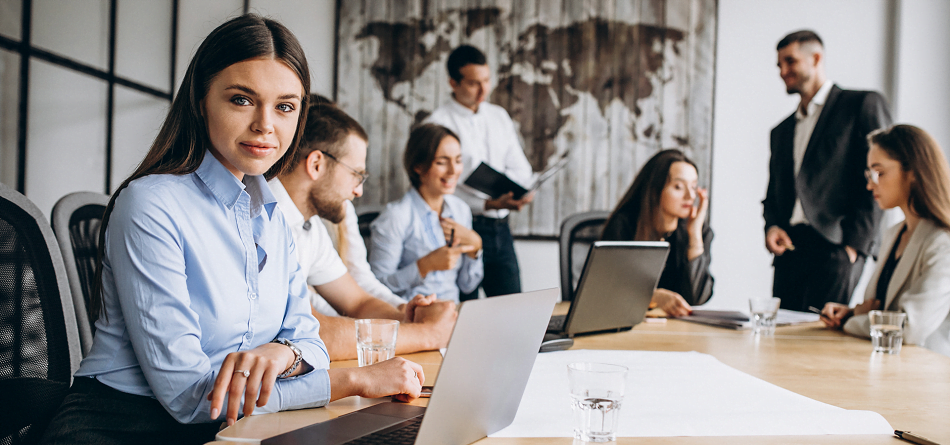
(578,233)
(76,220)
(364,217)
(38,335)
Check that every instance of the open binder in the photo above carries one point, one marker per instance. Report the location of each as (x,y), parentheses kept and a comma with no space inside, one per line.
(494,183)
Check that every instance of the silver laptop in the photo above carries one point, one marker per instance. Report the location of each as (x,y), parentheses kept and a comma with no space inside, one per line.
(478,389)
(615,287)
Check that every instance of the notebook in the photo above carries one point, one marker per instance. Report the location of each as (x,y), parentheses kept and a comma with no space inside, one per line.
(478,389)
(615,287)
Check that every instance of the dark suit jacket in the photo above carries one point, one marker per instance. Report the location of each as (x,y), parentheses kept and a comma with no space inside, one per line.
(830,182)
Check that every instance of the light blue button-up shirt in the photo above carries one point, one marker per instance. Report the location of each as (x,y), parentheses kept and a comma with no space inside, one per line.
(198,266)
(408,230)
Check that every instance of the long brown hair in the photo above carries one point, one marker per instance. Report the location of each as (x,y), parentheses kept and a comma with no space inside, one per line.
(919,154)
(641,203)
(183,139)
(421,148)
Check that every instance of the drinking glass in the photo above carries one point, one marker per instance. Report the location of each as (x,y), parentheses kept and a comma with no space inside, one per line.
(375,340)
(596,395)
(763,314)
(887,331)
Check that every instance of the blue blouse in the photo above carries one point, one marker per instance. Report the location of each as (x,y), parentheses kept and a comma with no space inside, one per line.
(408,230)
(198,266)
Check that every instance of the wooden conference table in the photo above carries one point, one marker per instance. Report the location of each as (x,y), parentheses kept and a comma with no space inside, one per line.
(911,390)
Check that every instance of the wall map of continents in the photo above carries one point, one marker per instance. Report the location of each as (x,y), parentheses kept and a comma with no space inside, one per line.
(612,82)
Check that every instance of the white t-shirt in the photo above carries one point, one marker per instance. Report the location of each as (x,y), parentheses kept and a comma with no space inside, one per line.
(314,249)
(356,262)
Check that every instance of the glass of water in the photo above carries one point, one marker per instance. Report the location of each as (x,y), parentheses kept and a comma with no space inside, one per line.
(375,340)
(887,331)
(596,394)
(763,314)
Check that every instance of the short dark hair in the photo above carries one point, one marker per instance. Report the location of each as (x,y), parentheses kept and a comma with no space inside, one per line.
(800,37)
(327,129)
(420,150)
(461,56)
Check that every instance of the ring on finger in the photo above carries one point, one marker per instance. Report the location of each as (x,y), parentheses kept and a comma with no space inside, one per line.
(244,372)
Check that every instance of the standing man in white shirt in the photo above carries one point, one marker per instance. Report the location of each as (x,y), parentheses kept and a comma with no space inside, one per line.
(487,135)
(329,168)
(820,220)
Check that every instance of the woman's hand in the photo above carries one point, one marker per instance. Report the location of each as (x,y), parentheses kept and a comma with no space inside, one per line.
(697,216)
(867,306)
(264,363)
(465,236)
(443,258)
(671,302)
(834,314)
(395,377)
(418,301)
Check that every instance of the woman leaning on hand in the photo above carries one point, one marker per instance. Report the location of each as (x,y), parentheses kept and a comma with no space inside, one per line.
(907,169)
(204,312)
(664,203)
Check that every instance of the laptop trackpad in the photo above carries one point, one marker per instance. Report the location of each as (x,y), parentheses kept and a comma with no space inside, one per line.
(351,426)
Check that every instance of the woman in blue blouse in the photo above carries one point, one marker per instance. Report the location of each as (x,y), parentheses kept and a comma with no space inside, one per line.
(203,307)
(424,243)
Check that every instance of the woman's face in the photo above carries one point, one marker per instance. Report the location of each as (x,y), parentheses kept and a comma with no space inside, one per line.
(443,175)
(678,195)
(251,110)
(893,183)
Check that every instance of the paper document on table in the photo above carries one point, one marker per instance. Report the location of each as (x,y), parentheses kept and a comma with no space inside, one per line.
(682,394)
(740,320)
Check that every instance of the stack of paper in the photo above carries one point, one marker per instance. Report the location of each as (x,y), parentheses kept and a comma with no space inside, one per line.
(740,320)
(682,394)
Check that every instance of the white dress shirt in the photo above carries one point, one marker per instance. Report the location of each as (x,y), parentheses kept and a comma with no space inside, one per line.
(805,121)
(315,251)
(356,259)
(488,136)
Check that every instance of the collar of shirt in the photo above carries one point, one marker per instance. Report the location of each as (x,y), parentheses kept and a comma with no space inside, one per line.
(227,189)
(457,108)
(816,102)
(291,213)
(422,206)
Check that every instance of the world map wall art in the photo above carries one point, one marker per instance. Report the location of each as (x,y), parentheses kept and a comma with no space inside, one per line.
(611,82)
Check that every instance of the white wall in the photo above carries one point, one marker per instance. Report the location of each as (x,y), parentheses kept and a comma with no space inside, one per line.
(923,92)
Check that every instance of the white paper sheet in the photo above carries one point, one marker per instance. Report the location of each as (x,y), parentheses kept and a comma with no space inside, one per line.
(682,394)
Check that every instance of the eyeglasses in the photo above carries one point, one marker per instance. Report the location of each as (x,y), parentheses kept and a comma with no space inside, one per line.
(872,176)
(362,175)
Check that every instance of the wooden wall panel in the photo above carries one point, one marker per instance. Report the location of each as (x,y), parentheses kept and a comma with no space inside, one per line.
(613,81)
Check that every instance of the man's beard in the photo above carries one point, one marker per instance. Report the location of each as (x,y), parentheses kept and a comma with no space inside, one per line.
(324,207)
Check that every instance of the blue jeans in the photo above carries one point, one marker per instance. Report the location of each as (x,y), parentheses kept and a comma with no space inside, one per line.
(502,274)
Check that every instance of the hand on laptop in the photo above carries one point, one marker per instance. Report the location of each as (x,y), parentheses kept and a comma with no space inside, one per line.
(395,377)
(671,302)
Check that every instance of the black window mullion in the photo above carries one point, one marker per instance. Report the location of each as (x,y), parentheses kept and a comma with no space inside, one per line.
(25,52)
(110,99)
(174,52)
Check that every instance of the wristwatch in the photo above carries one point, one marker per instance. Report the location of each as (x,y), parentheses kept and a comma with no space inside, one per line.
(297,356)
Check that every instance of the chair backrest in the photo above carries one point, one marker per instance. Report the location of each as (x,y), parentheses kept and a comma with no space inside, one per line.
(76,220)
(38,335)
(364,217)
(578,233)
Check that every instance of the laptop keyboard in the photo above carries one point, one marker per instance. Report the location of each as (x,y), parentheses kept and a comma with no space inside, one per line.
(557,323)
(406,434)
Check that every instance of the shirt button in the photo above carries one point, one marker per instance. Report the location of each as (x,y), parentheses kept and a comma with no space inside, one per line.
(253,296)
(247,336)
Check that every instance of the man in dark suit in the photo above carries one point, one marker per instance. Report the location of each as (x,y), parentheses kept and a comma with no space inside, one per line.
(820,220)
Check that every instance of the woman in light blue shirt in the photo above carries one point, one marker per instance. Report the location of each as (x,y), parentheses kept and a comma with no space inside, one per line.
(203,308)
(424,243)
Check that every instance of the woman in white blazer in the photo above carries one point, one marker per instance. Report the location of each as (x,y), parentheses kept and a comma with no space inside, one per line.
(907,169)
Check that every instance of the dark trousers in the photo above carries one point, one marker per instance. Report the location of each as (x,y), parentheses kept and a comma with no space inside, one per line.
(502,274)
(815,273)
(94,413)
